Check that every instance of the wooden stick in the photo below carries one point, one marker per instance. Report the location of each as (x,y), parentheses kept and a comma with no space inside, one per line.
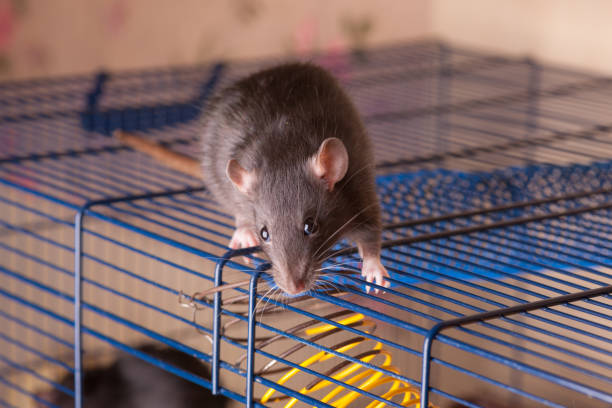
(202,295)
(177,161)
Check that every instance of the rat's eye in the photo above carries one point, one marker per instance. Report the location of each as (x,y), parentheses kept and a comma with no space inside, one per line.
(310,227)
(264,234)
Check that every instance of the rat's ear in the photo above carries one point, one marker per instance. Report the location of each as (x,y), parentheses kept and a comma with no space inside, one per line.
(242,179)
(331,161)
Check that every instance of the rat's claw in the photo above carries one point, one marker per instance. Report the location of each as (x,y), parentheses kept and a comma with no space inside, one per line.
(243,237)
(369,278)
(373,270)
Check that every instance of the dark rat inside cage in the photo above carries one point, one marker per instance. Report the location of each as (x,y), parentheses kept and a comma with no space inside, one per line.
(495,185)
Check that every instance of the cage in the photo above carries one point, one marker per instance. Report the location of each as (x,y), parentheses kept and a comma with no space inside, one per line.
(495,178)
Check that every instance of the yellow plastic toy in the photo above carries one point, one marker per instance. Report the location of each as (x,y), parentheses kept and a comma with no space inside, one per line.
(363,378)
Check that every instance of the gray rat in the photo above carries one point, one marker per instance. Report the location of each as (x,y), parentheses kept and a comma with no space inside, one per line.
(286,150)
(131,382)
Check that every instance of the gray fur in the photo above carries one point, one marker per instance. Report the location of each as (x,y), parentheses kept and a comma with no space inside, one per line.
(272,123)
(130,382)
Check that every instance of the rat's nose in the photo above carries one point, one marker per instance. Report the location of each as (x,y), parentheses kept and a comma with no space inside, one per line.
(299,285)
(295,287)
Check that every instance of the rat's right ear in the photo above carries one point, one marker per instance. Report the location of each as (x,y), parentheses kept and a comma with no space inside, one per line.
(331,162)
(242,179)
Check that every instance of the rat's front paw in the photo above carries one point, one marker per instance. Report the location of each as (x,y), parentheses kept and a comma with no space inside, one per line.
(374,271)
(243,238)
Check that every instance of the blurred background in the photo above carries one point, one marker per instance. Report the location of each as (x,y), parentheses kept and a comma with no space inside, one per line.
(42,38)
(455,132)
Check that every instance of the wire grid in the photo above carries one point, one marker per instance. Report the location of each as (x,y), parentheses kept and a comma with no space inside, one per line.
(459,138)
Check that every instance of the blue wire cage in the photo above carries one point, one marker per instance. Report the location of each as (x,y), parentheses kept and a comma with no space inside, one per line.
(495,178)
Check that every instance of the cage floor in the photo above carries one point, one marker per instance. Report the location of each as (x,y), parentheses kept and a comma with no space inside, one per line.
(495,179)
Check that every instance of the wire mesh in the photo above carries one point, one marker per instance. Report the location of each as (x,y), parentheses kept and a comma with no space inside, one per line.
(495,180)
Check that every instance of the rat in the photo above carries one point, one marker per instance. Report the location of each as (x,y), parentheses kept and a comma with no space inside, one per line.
(286,150)
(132,382)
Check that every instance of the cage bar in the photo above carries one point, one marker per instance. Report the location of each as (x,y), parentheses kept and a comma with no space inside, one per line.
(495,179)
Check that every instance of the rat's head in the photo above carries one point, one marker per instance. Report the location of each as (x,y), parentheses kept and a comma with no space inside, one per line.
(294,211)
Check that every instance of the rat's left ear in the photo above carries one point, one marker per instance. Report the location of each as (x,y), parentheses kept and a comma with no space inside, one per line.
(331,162)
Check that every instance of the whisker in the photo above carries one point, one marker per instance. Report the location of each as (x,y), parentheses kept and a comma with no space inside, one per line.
(260,299)
(354,174)
(267,302)
(325,284)
(367,207)
(326,257)
(334,266)
(344,262)
(281,299)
